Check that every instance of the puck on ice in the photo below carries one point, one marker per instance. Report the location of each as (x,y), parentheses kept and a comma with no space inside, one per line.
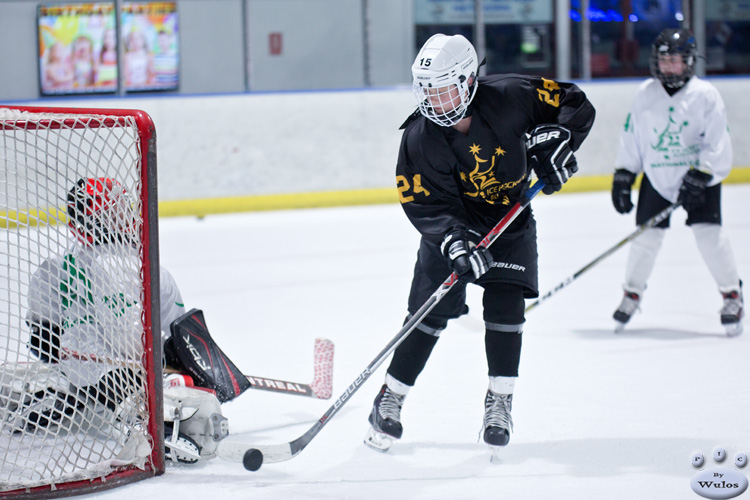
(253,459)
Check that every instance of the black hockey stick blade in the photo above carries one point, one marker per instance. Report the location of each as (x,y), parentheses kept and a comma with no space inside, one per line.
(253,456)
(653,221)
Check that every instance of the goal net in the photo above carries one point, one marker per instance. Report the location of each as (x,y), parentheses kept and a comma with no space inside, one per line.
(80,371)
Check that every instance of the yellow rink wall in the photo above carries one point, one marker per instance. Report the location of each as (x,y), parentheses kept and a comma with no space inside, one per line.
(213,206)
(209,206)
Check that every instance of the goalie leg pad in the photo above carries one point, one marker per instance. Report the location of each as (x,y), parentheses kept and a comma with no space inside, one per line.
(180,448)
(29,392)
(191,349)
(195,413)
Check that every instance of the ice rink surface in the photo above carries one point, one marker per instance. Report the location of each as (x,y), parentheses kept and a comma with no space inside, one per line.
(597,414)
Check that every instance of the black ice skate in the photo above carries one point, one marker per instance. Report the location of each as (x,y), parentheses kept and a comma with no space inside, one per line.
(497,420)
(629,305)
(733,312)
(385,420)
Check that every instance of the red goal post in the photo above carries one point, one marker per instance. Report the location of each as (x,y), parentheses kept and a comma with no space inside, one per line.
(80,353)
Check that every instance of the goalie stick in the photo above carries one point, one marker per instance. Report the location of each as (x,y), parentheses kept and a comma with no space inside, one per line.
(253,456)
(321,386)
(653,221)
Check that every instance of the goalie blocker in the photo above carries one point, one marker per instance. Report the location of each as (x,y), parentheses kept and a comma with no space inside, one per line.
(191,350)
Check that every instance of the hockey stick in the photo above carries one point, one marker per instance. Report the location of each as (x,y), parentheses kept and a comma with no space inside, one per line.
(653,221)
(253,456)
(320,388)
(322,384)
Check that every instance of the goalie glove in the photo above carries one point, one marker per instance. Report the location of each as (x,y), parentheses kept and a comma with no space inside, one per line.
(693,190)
(622,183)
(44,340)
(550,156)
(463,256)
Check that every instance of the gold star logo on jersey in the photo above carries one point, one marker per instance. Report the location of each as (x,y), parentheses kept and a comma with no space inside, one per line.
(482,182)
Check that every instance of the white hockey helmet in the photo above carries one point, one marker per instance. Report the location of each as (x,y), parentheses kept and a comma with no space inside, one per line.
(445,73)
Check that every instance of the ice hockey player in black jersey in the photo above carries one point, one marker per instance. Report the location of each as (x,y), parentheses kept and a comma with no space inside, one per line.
(465,159)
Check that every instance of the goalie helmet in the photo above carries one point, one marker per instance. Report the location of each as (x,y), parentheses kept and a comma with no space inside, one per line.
(674,42)
(445,73)
(100,211)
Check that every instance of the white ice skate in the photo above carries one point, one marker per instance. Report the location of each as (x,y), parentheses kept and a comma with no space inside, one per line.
(732,312)
(629,305)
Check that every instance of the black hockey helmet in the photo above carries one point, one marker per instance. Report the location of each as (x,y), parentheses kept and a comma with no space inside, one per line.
(669,42)
(100,211)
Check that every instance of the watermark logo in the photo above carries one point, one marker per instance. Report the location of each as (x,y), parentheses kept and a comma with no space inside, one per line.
(719,481)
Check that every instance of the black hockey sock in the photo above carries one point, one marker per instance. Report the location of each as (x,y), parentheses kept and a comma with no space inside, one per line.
(504,319)
(503,353)
(411,356)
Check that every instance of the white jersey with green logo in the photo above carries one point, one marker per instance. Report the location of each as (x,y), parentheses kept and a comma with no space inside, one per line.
(95,298)
(664,136)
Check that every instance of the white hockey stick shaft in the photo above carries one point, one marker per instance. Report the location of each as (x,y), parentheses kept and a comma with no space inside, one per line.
(653,221)
(252,456)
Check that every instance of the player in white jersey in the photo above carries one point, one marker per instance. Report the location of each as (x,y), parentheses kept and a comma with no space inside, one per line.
(676,135)
(94,283)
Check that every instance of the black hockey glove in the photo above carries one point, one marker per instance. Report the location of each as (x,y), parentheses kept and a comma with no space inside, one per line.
(44,341)
(464,257)
(550,156)
(621,185)
(693,189)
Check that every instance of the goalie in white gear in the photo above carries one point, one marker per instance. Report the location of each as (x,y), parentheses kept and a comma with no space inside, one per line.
(71,296)
(676,135)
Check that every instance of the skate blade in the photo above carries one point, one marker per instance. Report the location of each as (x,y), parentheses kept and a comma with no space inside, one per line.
(496,456)
(733,329)
(619,327)
(378,441)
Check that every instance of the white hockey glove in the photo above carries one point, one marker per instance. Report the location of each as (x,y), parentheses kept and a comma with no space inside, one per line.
(466,260)
(550,156)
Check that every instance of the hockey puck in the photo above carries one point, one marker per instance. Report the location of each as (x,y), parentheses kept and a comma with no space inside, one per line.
(253,459)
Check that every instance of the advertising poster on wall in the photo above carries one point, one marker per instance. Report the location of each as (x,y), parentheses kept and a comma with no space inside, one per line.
(78,53)
(77,48)
(151,51)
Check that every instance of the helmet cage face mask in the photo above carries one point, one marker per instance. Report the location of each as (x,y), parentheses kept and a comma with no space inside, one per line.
(445,79)
(674,42)
(100,212)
